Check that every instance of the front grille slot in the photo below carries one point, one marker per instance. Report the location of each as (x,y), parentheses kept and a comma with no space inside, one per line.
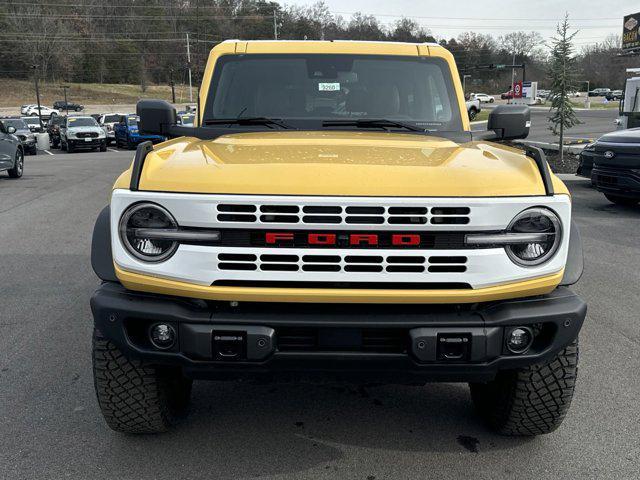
(318,219)
(447,269)
(279,209)
(321,267)
(236,257)
(405,268)
(449,220)
(365,220)
(321,258)
(407,220)
(236,208)
(278,258)
(450,211)
(363,259)
(363,268)
(279,218)
(365,340)
(447,259)
(405,259)
(279,267)
(228,217)
(236,266)
(321,209)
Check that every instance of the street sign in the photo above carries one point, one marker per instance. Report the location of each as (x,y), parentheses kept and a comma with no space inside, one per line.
(631,32)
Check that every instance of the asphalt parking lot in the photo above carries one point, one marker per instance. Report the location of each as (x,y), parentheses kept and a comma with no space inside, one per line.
(50,426)
(593,124)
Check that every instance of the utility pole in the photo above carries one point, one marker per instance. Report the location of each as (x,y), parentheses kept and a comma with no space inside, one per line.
(189,69)
(35,77)
(275,25)
(513,78)
(66,105)
(173,86)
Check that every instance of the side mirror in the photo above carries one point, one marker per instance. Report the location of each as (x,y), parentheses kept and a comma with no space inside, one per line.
(11,130)
(156,116)
(510,122)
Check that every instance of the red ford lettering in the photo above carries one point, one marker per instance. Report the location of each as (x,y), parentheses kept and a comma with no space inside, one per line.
(405,239)
(322,239)
(272,238)
(363,239)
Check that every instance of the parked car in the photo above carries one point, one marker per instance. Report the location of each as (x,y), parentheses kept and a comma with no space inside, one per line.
(473,108)
(367,213)
(598,92)
(107,122)
(613,164)
(24,108)
(28,139)
(45,112)
(53,129)
(507,95)
(613,95)
(544,93)
(82,133)
(483,97)
(127,134)
(61,105)
(186,119)
(34,124)
(11,152)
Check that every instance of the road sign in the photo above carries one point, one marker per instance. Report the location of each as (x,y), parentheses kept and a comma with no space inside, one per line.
(631,32)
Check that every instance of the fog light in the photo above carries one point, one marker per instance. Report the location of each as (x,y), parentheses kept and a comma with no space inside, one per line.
(162,336)
(519,339)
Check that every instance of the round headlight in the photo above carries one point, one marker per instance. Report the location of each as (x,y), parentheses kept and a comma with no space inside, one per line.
(136,232)
(536,221)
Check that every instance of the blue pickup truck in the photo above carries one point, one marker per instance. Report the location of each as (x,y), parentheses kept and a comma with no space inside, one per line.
(127,134)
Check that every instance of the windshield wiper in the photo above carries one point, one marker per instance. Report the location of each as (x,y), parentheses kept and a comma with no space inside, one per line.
(372,123)
(249,121)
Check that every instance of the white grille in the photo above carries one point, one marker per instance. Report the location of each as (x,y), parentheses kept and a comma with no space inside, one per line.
(340,262)
(333,214)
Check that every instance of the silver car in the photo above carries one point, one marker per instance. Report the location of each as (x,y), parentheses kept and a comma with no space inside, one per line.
(11,152)
(23,133)
(82,133)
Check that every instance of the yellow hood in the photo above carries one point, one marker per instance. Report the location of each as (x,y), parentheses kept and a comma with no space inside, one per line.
(340,163)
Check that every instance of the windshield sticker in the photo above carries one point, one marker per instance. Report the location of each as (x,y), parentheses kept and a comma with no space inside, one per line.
(329,87)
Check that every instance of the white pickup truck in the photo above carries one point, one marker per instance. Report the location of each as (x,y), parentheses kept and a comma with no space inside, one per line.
(473,107)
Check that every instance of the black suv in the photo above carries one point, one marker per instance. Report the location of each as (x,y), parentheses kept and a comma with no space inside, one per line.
(614,161)
(62,105)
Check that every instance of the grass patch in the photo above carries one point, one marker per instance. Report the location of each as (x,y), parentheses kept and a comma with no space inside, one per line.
(19,92)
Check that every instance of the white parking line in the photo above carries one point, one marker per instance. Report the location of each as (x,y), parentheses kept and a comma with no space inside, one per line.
(113,150)
(48,152)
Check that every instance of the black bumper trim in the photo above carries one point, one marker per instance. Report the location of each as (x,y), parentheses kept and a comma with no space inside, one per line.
(562,312)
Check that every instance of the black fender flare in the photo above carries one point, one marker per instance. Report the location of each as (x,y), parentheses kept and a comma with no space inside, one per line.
(101,255)
(575,258)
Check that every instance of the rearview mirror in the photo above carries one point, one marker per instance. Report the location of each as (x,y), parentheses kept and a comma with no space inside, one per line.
(156,116)
(510,122)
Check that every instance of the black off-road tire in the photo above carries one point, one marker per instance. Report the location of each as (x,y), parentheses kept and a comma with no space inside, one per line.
(619,200)
(135,397)
(529,401)
(472,114)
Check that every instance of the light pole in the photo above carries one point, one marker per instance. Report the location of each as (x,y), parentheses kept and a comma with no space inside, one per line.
(464,83)
(66,105)
(35,77)
(173,86)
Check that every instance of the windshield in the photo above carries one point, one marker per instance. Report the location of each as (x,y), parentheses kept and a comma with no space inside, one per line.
(111,119)
(133,121)
(313,88)
(16,123)
(82,122)
(32,121)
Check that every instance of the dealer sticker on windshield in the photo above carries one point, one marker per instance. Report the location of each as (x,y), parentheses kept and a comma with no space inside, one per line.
(329,87)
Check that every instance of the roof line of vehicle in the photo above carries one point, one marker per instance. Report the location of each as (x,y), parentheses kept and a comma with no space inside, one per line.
(430,44)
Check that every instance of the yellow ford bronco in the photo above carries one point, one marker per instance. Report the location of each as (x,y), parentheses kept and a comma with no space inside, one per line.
(331,216)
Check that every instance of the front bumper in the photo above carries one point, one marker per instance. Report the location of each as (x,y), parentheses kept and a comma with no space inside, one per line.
(83,143)
(617,181)
(385,343)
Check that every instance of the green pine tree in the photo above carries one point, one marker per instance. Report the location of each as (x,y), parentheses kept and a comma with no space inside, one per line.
(561,72)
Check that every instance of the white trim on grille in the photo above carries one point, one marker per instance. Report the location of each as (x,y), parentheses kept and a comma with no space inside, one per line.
(200,264)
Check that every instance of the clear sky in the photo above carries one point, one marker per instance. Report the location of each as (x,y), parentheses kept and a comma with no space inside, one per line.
(594,18)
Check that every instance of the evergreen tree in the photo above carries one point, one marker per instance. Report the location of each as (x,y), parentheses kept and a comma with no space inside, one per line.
(561,73)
